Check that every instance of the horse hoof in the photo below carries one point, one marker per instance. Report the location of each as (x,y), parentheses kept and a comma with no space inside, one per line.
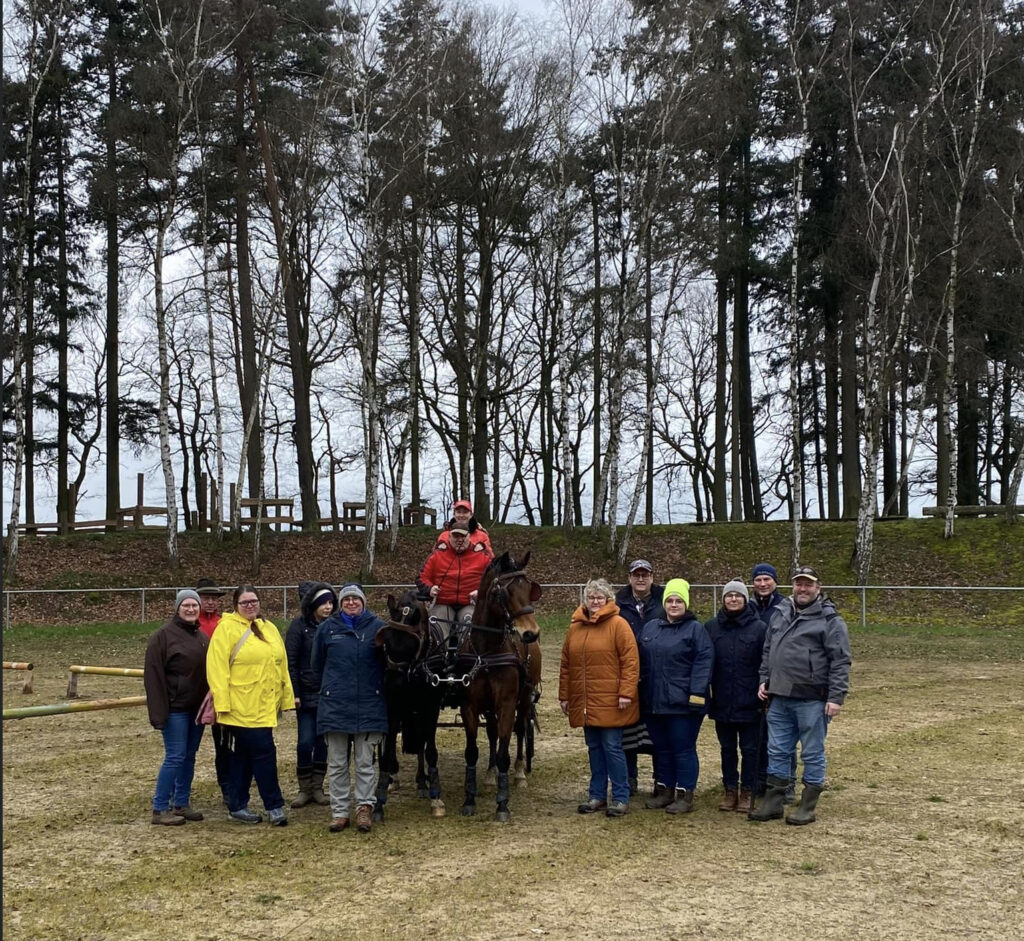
(468,810)
(492,776)
(437,808)
(521,782)
(503,816)
(422,792)
(377,816)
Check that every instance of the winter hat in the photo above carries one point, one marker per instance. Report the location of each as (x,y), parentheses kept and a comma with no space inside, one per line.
(184,595)
(763,568)
(677,586)
(737,586)
(325,594)
(351,590)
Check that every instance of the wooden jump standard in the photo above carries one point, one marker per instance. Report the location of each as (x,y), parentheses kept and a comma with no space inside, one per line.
(27,667)
(56,709)
(75,669)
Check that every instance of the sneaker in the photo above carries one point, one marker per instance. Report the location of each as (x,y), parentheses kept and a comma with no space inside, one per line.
(592,806)
(244,816)
(617,809)
(277,817)
(188,813)
(364,821)
(167,818)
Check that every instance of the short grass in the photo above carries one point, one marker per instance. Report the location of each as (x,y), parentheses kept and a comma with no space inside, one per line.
(919,834)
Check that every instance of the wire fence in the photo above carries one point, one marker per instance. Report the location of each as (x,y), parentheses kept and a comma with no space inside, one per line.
(96,605)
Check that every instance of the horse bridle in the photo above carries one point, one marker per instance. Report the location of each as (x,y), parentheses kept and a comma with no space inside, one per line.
(420,634)
(498,590)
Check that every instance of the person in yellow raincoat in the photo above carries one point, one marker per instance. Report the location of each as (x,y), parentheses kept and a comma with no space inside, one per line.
(247,669)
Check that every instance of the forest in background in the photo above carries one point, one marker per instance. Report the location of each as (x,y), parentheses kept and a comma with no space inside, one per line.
(732,260)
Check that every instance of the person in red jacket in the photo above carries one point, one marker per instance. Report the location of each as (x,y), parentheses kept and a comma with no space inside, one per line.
(463,514)
(451,575)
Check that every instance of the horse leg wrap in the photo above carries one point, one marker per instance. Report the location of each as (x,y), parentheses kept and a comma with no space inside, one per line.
(435,783)
(502,797)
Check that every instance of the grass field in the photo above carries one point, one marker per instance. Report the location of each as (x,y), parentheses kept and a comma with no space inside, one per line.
(920,834)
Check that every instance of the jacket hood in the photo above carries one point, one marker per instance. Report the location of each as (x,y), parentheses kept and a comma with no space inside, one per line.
(745,616)
(309,591)
(583,616)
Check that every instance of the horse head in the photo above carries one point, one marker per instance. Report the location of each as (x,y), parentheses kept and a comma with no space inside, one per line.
(404,638)
(506,596)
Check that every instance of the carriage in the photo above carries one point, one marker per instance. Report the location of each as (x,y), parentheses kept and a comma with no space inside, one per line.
(488,668)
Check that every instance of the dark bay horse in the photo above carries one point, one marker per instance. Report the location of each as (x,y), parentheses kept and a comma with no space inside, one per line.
(493,658)
(406,642)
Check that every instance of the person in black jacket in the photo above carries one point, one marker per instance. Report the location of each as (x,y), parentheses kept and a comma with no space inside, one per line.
(737,634)
(318,604)
(175,681)
(639,602)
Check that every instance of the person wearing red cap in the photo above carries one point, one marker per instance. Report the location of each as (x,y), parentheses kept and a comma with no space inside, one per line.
(451,575)
(462,513)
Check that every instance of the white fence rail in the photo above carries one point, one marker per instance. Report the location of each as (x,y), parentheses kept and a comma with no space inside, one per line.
(163,597)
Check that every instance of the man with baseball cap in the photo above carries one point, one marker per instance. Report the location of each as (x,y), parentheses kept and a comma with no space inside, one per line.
(639,602)
(209,617)
(451,575)
(462,513)
(805,676)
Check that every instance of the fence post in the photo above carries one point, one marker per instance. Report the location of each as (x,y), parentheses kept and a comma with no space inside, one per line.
(285,604)
(863,606)
(7,606)
(143,606)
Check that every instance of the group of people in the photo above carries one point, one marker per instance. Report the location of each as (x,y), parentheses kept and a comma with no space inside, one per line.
(639,672)
(326,669)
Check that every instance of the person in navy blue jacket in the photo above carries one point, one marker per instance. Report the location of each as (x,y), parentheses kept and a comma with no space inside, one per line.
(351,711)
(676,658)
(737,634)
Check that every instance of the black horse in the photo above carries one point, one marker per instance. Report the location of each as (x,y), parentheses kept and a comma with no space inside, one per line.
(413,703)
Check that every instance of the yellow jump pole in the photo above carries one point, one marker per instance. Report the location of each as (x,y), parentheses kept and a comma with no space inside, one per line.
(76,669)
(27,667)
(56,709)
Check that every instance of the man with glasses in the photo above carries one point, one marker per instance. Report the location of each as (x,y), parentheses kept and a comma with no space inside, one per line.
(451,575)
(805,676)
(639,602)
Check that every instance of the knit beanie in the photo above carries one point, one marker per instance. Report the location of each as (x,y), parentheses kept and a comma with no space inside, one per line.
(763,568)
(184,595)
(352,590)
(677,586)
(325,594)
(737,586)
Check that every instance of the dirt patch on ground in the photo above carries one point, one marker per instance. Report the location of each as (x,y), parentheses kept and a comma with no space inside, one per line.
(919,836)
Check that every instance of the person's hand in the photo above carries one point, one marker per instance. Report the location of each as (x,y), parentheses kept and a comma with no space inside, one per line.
(435,590)
(762,692)
(564,705)
(832,709)
(298,702)
(472,597)
(624,702)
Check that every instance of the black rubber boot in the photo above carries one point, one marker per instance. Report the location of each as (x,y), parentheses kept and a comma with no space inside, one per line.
(683,802)
(804,814)
(770,807)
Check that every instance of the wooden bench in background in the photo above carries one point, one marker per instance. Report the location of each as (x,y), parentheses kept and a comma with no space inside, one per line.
(991,509)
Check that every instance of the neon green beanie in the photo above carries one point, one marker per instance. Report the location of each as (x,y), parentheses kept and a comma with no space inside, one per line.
(677,586)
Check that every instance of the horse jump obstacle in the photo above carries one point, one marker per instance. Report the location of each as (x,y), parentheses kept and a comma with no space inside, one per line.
(56,709)
(75,669)
(27,667)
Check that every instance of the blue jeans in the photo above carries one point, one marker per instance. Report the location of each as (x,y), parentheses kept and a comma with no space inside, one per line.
(747,735)
(311,749)
(607,761)
(181,742)
(253,755)
(791,721)
(675,749)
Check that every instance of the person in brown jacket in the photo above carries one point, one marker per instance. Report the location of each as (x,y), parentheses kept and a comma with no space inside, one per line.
(597,690)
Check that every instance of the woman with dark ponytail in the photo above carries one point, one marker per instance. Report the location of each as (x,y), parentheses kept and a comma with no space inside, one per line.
(247,669)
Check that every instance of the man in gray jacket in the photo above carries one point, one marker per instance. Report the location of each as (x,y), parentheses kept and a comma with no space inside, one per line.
(805,675)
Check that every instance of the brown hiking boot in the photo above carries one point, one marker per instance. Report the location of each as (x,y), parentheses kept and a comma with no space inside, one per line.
(188,813)
(746,802)
(338,824)
(729,800)
(167,818)
(363,818)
